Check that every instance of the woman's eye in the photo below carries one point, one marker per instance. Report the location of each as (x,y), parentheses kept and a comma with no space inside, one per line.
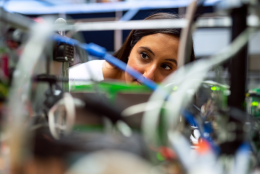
(144,56)
(166,67)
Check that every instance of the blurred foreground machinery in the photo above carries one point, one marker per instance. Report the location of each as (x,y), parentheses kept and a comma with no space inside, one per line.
(187,124)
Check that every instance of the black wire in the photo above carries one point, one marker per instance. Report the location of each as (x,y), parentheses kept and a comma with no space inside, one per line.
(197,108)
(199,10)
(100,108)
(53,79)
(238,115)
(49,57)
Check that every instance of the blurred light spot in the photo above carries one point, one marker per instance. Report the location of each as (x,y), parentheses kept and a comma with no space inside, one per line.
(254,103)
(160,157)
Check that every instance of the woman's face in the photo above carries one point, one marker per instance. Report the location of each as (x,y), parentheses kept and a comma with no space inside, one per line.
(154,56)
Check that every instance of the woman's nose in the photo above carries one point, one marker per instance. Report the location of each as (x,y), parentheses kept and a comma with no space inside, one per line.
(149,72)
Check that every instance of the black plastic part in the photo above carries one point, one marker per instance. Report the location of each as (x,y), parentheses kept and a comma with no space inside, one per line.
(238,66)
(63,53)
(51,79)
(238,83)
(53,94)
(85,142)
(101,108)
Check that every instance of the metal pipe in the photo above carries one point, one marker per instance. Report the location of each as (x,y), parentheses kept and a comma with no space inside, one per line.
(153,24)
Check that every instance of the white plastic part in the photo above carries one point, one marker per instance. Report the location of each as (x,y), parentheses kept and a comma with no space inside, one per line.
(68,118)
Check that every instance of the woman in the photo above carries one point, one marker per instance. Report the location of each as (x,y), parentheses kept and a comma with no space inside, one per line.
(153,53)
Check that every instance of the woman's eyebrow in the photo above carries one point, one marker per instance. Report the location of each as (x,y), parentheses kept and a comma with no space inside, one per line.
(172,60)
(148,49)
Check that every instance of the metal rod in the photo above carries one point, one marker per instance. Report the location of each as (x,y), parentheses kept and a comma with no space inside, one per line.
(153,24)
(15,20)
(238,65)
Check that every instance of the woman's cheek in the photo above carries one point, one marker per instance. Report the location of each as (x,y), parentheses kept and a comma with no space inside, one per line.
(136,65)
(137,68)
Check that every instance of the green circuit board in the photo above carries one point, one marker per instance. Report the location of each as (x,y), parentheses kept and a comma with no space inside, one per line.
(253,102)
(111,89)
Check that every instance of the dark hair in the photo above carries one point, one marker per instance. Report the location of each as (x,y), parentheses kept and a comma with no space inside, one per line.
(136,35)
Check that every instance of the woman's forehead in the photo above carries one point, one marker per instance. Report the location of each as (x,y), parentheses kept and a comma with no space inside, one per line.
(159,43)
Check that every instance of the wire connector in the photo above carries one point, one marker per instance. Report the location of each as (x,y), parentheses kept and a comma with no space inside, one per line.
(95,50)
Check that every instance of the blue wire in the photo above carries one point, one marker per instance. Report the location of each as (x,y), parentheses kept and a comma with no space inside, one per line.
(189,117)
(244,148)
(121,65)
(193,122)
